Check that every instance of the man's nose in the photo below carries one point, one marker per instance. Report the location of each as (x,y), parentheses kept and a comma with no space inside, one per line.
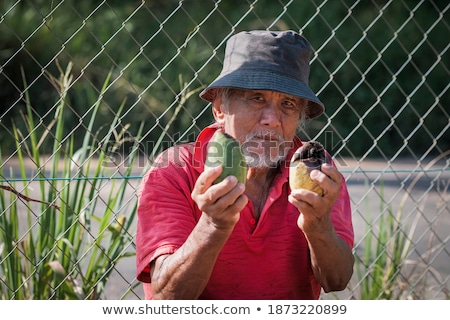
(271,115)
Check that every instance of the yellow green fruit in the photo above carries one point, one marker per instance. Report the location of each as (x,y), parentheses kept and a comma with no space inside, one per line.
(310,156)
(226,151)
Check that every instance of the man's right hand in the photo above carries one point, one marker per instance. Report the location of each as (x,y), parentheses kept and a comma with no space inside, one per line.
(221,202)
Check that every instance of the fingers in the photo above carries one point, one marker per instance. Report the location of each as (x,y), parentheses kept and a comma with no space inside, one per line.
(222,201)
(206,179)
(329,178)
(316,208)
(224,194)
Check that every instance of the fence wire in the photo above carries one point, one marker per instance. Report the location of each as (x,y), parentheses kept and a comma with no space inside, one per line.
(92,91)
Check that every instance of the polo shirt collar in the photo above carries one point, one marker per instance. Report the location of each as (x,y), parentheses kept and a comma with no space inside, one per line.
(201,145)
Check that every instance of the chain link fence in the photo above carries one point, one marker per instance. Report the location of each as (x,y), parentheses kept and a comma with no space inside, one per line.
(91,91)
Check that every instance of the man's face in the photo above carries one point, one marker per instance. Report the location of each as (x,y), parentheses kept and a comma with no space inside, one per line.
(265,123)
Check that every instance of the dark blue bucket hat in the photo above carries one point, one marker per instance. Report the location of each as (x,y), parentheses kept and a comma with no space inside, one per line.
(267,60)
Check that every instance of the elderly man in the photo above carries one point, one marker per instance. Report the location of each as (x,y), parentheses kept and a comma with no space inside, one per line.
(261,240)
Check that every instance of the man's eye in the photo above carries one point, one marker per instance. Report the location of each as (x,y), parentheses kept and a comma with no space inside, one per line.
(257,98)
(290,104)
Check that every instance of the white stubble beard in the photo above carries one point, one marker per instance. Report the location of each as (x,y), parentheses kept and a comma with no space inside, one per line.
(265,159)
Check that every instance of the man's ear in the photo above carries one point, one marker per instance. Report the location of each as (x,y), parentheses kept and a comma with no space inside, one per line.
(218,114)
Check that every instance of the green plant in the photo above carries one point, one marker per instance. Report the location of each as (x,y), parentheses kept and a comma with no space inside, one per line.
(385,252)
(72,242)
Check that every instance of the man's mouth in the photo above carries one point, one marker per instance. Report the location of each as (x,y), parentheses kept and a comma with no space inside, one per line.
(268,136)
(264,149)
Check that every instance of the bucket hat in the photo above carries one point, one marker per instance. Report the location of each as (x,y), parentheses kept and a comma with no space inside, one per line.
(267,60)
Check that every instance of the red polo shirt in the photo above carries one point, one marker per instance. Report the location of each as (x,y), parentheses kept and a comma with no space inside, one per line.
(268,259)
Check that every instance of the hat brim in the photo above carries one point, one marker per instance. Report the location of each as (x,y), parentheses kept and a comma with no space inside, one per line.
(261,80)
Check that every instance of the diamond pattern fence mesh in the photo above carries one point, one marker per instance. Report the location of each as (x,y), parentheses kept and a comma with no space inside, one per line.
(92,91)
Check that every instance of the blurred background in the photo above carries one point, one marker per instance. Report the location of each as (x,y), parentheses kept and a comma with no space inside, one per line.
(92,91)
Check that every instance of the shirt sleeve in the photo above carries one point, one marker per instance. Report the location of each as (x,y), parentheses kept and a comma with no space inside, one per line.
(166,212)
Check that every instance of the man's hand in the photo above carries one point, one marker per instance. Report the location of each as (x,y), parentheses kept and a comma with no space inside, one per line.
(221,202)
(316,209)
